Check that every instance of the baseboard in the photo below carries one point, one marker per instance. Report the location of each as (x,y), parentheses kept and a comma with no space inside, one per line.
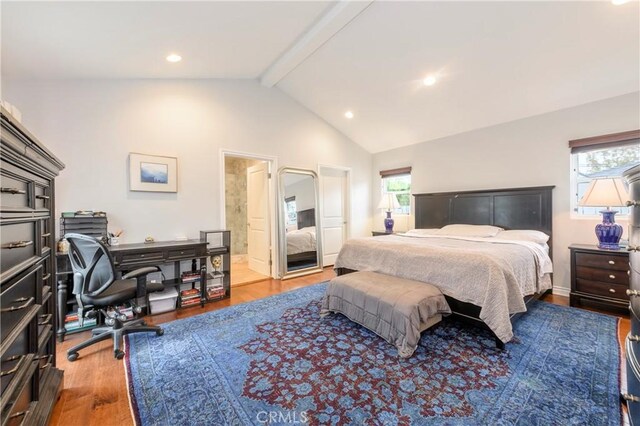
(561,291)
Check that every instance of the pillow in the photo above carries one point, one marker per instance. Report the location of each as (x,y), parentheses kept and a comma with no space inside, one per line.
(524,235)
(431,231)
(470,230)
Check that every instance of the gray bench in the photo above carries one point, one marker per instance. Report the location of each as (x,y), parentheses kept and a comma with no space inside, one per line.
(396,309)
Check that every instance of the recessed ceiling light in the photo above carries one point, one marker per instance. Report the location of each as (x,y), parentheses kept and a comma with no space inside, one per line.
(349,115)
(619,2)
(174,58)
(429,81)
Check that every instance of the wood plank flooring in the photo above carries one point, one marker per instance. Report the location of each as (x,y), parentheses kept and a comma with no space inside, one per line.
(95,390)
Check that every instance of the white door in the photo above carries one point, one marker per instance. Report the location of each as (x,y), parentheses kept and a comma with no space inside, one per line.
(258,240)
(333,215)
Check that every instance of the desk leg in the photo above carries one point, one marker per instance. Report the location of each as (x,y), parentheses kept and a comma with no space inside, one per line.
(62,309)
(203,280)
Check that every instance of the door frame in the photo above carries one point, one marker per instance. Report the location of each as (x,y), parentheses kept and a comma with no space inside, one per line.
(347,201)
(272,161)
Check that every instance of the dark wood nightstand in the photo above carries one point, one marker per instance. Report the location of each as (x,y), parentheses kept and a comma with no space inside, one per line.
(376,233)
(599,277)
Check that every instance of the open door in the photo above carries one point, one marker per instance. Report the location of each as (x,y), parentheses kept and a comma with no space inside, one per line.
(333,217)
(258,241)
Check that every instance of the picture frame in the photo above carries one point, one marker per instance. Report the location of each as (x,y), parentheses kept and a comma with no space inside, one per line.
(153,173)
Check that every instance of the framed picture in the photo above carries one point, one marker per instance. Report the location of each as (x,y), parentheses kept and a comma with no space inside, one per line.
(153,173)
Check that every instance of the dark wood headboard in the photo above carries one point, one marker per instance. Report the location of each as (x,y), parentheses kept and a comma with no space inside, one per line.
(306,218)
(515,208)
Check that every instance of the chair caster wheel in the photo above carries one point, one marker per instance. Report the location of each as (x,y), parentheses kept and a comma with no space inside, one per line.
(119,354)
(160,332)
(72,357)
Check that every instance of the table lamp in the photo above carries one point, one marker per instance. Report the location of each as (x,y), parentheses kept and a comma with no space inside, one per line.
(389,202)
(609,192)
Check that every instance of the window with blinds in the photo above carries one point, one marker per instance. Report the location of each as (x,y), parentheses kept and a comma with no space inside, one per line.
(398,182)
(599,157)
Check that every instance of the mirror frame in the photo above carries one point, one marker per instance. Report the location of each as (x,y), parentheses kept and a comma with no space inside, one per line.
(282,227)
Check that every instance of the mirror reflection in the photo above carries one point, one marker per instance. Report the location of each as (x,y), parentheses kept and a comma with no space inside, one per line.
(298,193)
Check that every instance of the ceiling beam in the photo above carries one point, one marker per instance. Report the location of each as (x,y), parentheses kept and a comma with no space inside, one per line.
(336,18)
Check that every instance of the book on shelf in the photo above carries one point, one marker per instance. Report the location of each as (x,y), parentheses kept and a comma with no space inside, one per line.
(189,292)
(188,277)
(190,302)
(74,325)
(192,297)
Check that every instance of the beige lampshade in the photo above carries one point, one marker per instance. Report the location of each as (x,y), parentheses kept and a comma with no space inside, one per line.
(607,192)
(389,201)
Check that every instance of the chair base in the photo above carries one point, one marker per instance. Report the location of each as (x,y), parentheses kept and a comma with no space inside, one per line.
(117,332)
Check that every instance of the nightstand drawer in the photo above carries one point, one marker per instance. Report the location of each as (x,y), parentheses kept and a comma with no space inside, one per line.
(616,291)
(603,275)
(603,261)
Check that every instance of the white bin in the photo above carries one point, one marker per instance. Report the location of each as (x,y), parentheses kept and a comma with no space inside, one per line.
(163,301)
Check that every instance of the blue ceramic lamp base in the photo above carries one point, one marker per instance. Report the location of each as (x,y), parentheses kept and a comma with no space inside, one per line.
(608,232)
(388,223)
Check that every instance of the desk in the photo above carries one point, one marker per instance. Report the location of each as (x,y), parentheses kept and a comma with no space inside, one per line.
(128,257)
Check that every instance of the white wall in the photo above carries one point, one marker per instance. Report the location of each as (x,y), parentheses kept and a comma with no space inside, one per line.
(93,125)
(528,152)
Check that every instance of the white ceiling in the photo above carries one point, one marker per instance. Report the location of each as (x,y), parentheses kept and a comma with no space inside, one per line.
(495,61)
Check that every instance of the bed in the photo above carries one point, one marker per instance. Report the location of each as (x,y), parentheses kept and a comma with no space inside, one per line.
(511,209)
(302,243)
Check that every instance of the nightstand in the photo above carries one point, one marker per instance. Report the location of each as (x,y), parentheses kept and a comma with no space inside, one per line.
(376,233)
(599,277)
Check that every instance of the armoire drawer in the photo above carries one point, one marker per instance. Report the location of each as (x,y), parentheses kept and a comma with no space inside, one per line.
(632,396)
(18,245)
(42,197)
(16,299)
(15,360)
(20,407)
(14,191)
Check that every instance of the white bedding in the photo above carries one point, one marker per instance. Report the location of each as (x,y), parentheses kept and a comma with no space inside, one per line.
(301,240)
(487,272)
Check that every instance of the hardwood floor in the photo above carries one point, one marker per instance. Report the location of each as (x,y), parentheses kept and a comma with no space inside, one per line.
(95,390)
(242,275)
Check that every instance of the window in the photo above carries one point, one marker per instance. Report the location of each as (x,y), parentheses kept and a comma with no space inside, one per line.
(398,182)
(599,157)
(290,207)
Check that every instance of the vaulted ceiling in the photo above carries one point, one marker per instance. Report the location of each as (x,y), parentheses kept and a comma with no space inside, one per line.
(493,61)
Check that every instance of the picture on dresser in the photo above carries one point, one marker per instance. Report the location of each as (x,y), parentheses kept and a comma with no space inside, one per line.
(153,173)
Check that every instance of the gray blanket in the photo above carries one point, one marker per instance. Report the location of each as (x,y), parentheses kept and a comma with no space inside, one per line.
(495,277)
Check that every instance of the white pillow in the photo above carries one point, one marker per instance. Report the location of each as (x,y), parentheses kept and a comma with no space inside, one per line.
(524,235)
(430,231)
(470,230)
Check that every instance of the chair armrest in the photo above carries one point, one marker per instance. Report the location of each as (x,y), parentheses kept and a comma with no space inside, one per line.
(140,272)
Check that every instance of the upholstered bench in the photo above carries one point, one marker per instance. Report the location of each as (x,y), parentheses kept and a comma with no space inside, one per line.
(396,309)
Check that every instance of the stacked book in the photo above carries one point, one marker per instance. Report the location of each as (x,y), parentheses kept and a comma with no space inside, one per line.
(190,277)
(189,297)
(71,322)
(215,290)
(123,309)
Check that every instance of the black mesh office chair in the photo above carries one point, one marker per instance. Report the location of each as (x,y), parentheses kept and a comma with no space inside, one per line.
(96,287)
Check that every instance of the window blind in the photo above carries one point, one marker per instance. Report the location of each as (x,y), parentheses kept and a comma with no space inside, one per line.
(395,172)
(612,140)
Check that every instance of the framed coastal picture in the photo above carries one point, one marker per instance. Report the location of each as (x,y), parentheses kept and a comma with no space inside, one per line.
(153,173)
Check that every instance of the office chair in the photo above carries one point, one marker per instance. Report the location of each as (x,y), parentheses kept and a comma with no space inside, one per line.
(96,288)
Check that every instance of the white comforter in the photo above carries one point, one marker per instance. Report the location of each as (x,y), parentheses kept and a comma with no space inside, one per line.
(490,273)
(301,240)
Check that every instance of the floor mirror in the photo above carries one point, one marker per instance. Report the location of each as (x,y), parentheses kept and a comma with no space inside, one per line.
(298,222)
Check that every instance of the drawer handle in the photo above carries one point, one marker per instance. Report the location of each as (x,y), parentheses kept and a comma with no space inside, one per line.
(632,203)
(633,248)
(42,197)
(46,235)
(613,277)
(13,191)
(634,338)
(19,414)
(17,244)
(45,319)
(22,359)
(634,293)
(142,255)
(629,397)
(44,357)
(611,262)
(612,290)
(46,277)
(17,308)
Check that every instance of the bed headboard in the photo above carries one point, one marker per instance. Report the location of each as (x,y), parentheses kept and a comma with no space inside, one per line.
(306,218)
(515,208)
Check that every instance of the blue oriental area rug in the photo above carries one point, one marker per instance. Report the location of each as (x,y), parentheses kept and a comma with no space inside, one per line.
(275,362)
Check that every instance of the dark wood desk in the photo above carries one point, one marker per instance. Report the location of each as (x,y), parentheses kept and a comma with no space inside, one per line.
(128,257)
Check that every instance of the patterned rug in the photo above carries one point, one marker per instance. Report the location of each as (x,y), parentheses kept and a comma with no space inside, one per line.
(273,361)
